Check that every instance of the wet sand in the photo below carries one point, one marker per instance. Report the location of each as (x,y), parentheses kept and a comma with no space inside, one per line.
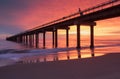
(103,67)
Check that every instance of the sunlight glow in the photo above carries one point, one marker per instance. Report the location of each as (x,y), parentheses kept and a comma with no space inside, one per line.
(107,27)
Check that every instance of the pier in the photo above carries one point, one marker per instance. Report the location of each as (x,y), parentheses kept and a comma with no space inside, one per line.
(87,17)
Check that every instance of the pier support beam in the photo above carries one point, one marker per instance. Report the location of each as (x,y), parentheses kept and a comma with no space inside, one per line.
(19,39)
(33,40)
(37,40)
(67,37)
(56,38)
(26,39)
(79,55)
(91,36)
(44,39)
(78,35)
(30,40)
(53,38)
(23,39)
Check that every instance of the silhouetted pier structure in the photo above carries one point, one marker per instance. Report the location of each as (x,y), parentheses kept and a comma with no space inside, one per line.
(86,17)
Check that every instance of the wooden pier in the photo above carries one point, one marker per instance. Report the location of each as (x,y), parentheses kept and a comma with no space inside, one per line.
(86,17)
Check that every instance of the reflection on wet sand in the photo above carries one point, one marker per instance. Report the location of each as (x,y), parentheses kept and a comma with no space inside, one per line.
(66,55)
(58,54)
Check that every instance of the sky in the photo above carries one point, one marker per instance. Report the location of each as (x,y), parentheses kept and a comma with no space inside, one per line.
(19,15)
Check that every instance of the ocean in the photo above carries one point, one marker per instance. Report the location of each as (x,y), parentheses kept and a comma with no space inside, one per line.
(11,52)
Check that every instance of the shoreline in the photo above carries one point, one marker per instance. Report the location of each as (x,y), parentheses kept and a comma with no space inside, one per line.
(101,67)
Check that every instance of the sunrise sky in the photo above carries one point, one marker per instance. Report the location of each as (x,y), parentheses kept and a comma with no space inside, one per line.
(20,15)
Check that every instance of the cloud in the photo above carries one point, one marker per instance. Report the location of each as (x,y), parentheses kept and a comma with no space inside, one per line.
(9,29)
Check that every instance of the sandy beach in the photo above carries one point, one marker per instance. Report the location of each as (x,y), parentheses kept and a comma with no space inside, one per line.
(103,67)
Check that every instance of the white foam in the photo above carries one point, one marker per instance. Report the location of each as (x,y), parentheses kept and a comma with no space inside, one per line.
(16,55)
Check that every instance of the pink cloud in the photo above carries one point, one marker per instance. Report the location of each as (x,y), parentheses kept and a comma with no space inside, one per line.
(38,12)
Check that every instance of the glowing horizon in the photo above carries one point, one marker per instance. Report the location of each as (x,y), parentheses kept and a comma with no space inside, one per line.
(108,27)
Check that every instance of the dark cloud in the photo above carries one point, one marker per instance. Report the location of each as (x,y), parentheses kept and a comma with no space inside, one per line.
(10,29)
(12,9)
(21,4)
(8,7)
(12,4)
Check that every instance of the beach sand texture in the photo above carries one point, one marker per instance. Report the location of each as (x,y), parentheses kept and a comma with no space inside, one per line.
(102,67)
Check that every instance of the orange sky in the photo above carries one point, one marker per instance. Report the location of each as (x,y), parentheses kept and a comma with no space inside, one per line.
(20,15)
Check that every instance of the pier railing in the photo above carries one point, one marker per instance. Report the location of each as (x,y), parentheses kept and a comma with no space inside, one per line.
(98,7)
(101,6)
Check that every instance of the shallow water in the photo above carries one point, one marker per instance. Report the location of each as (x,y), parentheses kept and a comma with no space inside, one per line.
(14,52)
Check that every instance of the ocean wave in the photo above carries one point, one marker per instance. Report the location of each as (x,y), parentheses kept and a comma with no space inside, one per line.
(14,55)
